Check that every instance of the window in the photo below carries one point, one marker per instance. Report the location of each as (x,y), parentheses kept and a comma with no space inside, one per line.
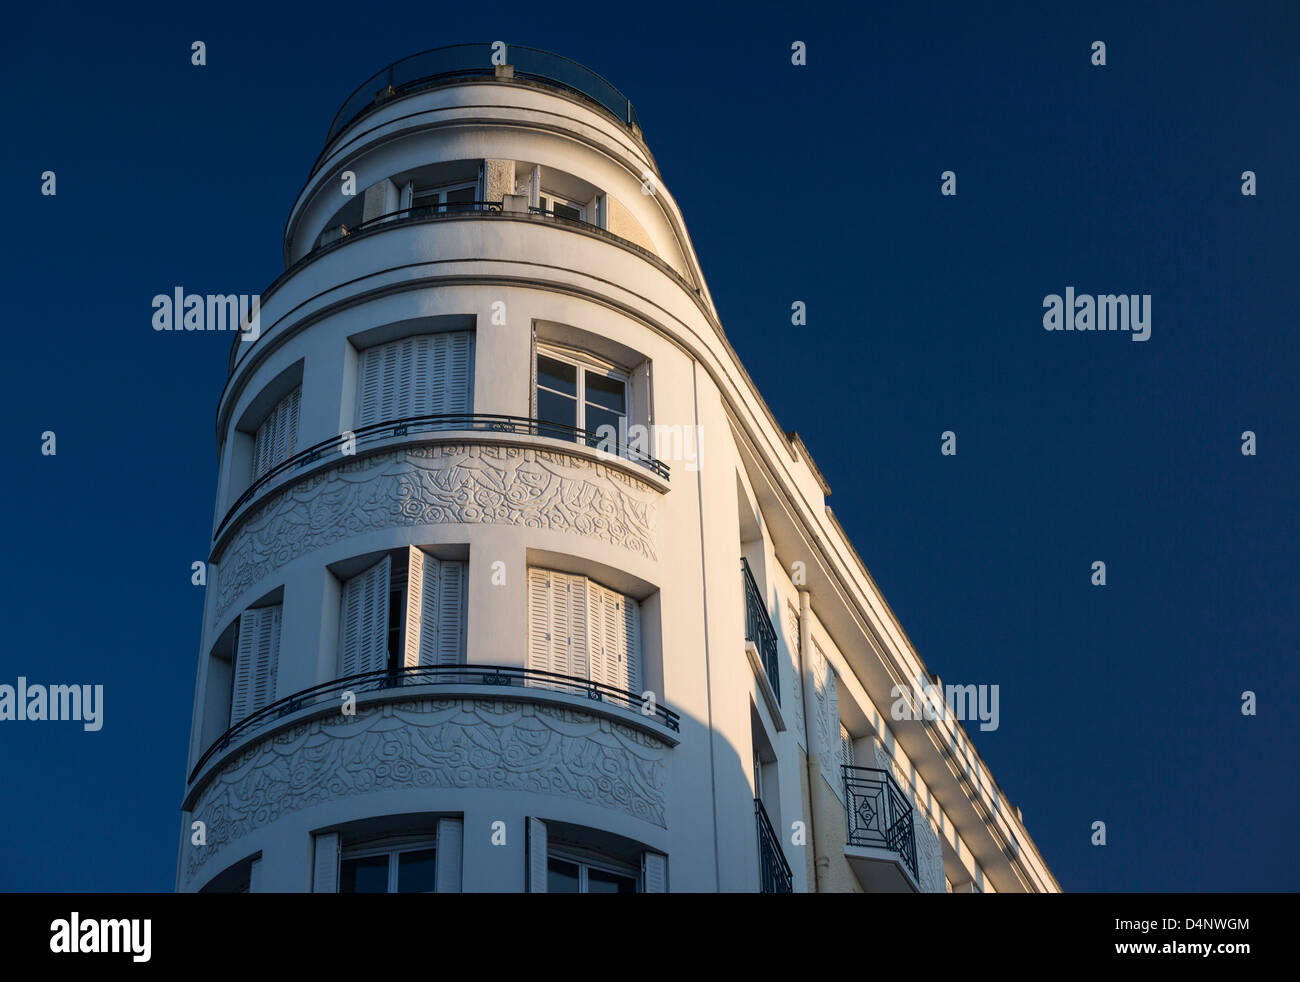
(578,628)
(581,395)
(562,207)
(430,374)
(442,200)
(573,876)
(414,615)
(408,868)
(256,656)
(846,746)
(277,437)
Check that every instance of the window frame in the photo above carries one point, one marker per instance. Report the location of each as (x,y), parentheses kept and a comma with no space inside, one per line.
(583,363)
(585,862)
(440,192)
(547,201)
(392,848)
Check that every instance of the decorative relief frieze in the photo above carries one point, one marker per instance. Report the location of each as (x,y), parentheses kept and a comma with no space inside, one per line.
(435,743)
(438,484)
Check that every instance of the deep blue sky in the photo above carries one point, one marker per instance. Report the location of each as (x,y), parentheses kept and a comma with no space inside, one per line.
(818,184)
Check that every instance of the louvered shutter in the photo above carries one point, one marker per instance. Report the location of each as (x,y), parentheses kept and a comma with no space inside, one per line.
(241,699)
(577,654)
(451,612)
(539,620)
(256,660)
(364,634)
(417,563)
(416,376)
(536,856)
(277,437)
(614,630)
(846,746)
(325,872)
(654,872)
(450,855)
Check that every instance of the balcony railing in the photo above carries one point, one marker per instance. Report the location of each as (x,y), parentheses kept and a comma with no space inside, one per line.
(880,816)
(774,872)
(759,629)
(336,233)
(497,675)
(446,65)
(434,423)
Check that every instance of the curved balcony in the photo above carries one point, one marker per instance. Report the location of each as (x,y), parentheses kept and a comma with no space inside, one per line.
(499,677)
(347,444)
(457,62)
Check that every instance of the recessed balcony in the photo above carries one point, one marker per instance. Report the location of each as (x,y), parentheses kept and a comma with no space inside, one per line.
(881,844)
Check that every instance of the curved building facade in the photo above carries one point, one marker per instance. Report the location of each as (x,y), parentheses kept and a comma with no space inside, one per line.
(516,584)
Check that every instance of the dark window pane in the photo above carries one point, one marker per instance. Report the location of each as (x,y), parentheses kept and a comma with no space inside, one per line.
(609,439)
(552,408)
(557,375)
(368,874)
(561,876)
(460,196)
(607,392)
(415,871)
(599,881)
(566,211)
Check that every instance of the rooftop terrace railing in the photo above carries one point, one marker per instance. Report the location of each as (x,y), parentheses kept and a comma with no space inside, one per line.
(446,65)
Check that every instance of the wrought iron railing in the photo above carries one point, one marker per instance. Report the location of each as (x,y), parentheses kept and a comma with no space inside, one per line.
(759,629)
(441,66)
(336,233)
(496,675)
(880,815)
(774,872)
(435,423)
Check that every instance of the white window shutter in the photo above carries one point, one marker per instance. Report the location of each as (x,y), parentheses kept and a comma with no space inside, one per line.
(325,872)
(450,855)
(416,376)
(451,612)
(416,626)
(241,697)
(577,652)
(257,657)
(364,633)
(654,872)
(277,437)
(539,620)
(632,645)
(846,746)
(599,644)
(536,856)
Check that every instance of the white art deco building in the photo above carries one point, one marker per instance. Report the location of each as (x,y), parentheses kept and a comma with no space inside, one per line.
(516,584)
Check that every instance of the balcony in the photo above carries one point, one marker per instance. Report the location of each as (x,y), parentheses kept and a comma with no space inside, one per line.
(457,62)
(773,871)
(340,446)
(326,696)
(760,643)
(881,840)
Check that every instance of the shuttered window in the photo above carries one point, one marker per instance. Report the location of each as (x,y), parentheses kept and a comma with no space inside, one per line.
(363,635)
(277,437)
(417,376)
(435,611)
(577,627)
(256,657)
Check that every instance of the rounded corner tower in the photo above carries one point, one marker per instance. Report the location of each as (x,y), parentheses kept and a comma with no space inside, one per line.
(500,595)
